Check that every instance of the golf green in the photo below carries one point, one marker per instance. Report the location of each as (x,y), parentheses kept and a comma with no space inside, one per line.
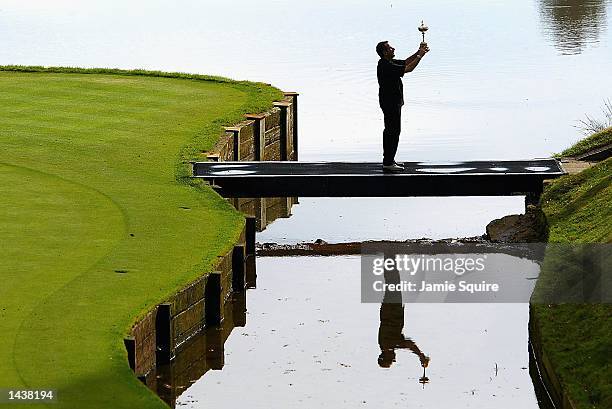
(99,222)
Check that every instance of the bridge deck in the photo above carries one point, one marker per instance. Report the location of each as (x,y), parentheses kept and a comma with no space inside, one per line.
(345,179)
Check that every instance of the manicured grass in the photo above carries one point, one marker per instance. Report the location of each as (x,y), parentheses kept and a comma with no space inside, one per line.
(579,207)
(99,222)
(578,337)
(596,140)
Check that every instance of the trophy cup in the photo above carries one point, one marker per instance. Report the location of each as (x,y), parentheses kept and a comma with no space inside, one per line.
(423,28)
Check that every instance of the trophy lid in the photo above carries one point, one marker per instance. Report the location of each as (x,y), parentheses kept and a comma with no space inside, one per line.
(423,27)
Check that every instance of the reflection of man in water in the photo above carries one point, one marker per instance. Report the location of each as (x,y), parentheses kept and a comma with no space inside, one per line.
(391,97)
(390,334)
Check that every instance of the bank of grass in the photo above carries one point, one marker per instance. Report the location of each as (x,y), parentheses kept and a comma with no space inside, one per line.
(99,221)
(577,338)
(597,140)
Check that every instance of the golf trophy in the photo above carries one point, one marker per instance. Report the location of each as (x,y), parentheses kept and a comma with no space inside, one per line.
(423,28)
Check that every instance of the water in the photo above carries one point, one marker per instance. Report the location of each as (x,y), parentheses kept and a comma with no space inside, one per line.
(504,80)
(309,342)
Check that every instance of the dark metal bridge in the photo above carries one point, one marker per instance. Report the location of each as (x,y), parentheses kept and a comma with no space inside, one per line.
(366,179)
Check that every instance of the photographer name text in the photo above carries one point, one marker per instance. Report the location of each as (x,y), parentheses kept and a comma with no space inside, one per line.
(446,286)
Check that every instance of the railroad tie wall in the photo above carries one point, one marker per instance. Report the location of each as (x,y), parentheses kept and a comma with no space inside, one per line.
(268,136)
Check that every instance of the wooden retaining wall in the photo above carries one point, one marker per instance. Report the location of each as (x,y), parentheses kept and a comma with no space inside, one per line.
(170,327)
(269,136)
(155,339)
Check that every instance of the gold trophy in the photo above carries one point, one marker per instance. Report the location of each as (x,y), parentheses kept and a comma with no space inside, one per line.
(423,28)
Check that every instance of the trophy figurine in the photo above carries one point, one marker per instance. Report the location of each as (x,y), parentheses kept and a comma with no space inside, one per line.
(423,28)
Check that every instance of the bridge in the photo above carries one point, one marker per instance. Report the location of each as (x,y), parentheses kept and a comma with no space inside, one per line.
(366,179)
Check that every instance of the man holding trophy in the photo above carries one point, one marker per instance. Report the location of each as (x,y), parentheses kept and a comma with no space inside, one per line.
(391,95)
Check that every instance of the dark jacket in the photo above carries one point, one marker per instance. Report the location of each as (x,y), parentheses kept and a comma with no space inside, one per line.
(391,89)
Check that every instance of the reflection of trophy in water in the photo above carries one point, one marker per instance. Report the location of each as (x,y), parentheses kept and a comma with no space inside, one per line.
(424,379)
(423,28)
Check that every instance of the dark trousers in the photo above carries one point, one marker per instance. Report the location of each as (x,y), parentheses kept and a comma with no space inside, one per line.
(393,122)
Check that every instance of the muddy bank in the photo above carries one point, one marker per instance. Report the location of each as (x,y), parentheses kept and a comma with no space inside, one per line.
(322,248)
(531,227)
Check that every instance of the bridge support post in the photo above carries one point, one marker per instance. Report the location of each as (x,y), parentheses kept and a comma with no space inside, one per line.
(533,198)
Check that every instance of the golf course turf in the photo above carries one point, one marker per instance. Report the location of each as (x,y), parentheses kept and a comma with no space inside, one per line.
(578,337)
(100,222)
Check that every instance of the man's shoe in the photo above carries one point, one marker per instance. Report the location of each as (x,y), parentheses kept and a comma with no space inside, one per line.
(399,164)
(393,168)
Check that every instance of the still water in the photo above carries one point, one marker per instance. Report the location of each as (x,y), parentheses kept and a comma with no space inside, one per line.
(504,80)
(308,342)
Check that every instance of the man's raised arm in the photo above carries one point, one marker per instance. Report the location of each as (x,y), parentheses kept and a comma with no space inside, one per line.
(414,60)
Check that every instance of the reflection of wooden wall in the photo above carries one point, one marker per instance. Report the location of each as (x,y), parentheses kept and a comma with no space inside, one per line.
(199,354)
(265,210)
(268,136)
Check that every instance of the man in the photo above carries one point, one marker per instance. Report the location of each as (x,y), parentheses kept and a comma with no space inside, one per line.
(391,96)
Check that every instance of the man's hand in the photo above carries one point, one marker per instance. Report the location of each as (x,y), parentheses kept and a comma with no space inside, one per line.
(423,49)
(412,61)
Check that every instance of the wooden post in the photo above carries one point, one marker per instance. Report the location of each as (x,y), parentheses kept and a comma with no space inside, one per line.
(213,157)
(533,197)
(283,105)
(215,349)
(234,201)
(251,272)
(212,300)
(249,232)
(260,213)
(294,100)
(239,309)
(130,346)
(234,133)
(238,268)
(163,332)
(259,134)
